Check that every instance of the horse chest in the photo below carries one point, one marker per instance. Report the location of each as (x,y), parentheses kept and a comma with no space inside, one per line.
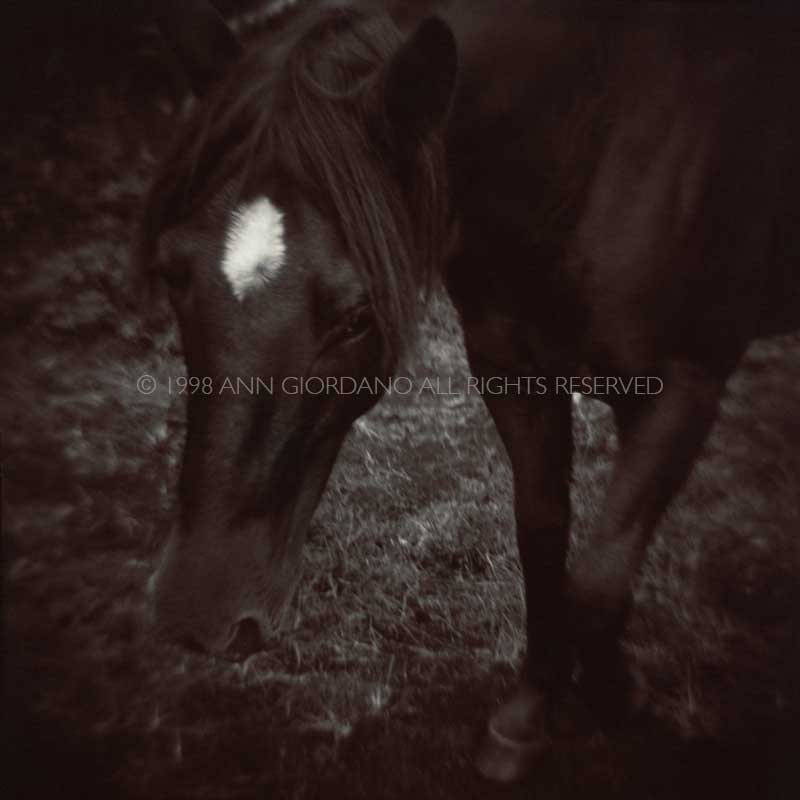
(502,331)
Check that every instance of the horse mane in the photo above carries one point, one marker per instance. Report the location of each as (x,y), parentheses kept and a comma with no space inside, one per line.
(312,105)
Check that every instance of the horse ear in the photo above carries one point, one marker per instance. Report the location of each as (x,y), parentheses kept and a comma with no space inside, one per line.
(419,82)
(200,37)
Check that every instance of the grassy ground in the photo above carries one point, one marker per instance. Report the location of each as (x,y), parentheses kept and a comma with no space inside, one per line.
(406,629)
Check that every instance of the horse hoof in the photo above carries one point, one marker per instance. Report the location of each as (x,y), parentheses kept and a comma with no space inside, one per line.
(516,737)
(505,760)
(609,689)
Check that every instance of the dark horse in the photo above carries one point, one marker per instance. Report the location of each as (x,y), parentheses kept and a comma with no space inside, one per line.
(605,189)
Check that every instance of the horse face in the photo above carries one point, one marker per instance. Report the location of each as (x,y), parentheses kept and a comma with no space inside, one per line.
(272,315)
(298,275)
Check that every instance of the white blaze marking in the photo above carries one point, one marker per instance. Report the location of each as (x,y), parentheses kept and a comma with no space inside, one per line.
(254,248)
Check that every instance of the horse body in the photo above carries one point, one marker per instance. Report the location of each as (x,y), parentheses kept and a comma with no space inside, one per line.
(626,208)
(637,177)
(620,200)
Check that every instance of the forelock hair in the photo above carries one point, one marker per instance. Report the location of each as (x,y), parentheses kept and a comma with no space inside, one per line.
(314,105)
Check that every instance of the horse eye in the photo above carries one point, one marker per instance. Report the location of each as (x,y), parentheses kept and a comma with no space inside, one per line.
(359,323)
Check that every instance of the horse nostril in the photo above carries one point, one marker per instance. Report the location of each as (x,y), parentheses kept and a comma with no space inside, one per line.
(246,639)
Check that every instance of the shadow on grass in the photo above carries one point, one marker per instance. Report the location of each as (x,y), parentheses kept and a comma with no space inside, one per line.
(424,754)
(643,760)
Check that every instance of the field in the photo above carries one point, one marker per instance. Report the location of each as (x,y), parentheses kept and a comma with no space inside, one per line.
(407,626)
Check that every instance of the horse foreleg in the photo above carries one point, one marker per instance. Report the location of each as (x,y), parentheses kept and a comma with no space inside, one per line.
(660,437)
(536,432)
